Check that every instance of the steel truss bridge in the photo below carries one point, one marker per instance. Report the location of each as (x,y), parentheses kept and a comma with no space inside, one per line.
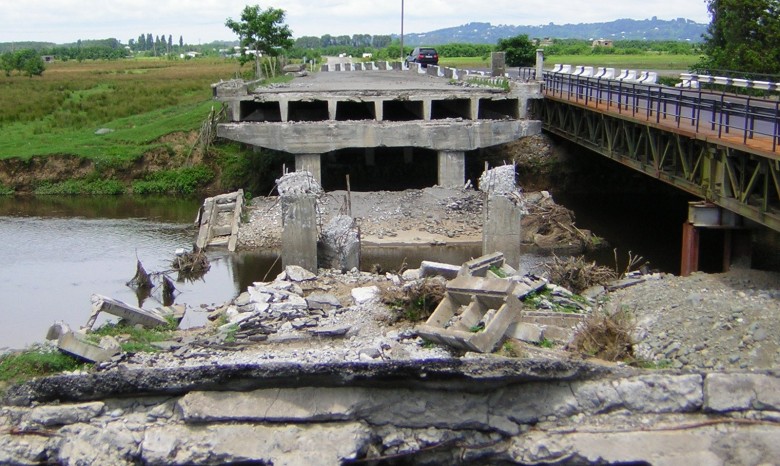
(721,147)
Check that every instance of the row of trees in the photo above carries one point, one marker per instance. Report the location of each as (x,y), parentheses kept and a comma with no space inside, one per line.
(155,44)
(27,62)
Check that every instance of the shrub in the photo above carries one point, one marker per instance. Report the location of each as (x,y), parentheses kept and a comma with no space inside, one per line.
(606,335)
(179,181)
(415,301)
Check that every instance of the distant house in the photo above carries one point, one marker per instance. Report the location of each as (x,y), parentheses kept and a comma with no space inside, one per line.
(47,58)
(602,43)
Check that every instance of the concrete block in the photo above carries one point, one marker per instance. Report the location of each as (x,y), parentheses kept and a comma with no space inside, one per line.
(366,294)
(133,315)
(529,333)
(478,267)
(432,269)
(76,344)
(299,224)
(741,392)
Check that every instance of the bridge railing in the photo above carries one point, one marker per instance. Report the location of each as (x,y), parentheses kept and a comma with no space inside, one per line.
(697,109)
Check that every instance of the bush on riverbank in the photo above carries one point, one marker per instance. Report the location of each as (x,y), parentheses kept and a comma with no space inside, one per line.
(184,181)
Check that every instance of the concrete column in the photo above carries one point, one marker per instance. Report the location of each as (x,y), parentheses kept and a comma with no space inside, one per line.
(299,231)
(501,230)
(475,108)
(311,163)
(408,155)
(332,109)
(452,168)
(497,64)
(234,108)
(427,109)
(539,63)
(284,108)
(379,110)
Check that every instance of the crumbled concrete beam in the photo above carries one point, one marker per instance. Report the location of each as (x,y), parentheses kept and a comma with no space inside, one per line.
(76,344)
(478,267)
(133,315)
(432,269)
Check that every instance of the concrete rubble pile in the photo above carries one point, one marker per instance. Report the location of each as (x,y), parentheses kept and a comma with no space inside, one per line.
(78,343)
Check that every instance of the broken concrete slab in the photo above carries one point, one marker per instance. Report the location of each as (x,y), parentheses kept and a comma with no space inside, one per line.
(529,333)
(296,273)
(499,180)
(433,269)
(134,315)
(77,344)
(478,267)
(324,301)
(366,294)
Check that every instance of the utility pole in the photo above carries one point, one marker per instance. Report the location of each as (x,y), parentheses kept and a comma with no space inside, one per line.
(402,32)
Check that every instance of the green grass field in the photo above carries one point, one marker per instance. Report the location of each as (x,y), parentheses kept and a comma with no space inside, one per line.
(140,100)
(648,61)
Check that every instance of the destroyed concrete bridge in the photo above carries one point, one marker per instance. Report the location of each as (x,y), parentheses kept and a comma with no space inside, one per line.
(380,108)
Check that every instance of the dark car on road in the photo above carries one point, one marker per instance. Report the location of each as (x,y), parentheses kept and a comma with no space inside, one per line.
(424,56)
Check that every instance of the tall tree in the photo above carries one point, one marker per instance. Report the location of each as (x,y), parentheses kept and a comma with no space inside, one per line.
(262,31)
(520,51)
(181,41)
(743,35)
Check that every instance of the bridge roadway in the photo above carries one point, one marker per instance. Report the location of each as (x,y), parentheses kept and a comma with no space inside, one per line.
(330,111)
(721,147)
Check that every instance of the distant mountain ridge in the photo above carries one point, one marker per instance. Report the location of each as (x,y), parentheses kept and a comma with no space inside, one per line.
(628,29)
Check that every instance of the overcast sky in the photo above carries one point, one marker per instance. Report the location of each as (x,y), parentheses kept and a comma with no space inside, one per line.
(201,21)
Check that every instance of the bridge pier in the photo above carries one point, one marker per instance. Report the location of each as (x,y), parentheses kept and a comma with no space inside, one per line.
(311,163)
(736,239)
(452,168)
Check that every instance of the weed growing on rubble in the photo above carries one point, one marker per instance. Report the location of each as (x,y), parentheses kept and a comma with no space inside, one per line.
(415,301)
(35,362)
(135,339)
(606,335)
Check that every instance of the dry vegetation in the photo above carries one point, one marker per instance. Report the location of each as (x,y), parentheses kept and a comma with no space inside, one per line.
(576,274)
(606,334)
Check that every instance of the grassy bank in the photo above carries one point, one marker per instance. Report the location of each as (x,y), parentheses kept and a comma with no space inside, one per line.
(139,100)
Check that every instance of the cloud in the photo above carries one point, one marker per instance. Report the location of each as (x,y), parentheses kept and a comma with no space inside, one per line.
(68,20)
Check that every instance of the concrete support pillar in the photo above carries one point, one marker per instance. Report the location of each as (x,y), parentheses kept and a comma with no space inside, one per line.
(452,169)
(370,157)
(311,163)
(689,261)
(408,155)
(539,63)
(234,108)
(379,110)
(497,64)
(299,231)
(475,108)
(332,109)
(284,108)
(501,230)
(427,104)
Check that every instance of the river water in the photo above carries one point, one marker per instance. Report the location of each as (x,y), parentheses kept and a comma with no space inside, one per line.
(58,251)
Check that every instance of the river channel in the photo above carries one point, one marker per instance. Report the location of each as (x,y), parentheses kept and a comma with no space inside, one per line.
(58,251)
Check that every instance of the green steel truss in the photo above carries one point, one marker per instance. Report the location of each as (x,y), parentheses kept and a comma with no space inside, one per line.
(738,180)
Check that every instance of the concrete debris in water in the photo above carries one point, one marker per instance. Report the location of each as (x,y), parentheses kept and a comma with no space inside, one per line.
(340,244)
(298,183)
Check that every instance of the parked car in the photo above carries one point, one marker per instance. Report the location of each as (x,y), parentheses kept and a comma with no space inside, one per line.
(424,56)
